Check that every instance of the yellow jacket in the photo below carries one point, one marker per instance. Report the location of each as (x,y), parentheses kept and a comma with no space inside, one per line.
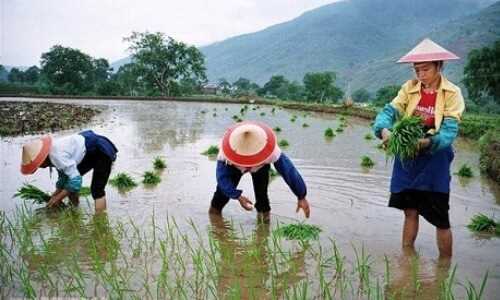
(449,101)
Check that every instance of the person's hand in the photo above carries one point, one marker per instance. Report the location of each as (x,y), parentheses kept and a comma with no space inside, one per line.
(304,205)
(386,135)
(54,201)
(423,143)
(245,203)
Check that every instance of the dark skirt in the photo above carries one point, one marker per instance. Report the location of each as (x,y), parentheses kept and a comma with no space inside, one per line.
(433,206)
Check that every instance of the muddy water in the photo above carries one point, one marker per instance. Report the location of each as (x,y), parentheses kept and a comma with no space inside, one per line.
(348,201)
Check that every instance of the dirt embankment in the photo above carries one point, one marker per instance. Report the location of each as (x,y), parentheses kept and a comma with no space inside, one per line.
(18,118)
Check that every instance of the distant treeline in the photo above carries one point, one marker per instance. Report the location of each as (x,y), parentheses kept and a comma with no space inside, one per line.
(162,66)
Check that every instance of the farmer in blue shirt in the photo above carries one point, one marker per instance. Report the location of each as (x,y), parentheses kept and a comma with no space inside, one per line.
(250,147)
(73,156)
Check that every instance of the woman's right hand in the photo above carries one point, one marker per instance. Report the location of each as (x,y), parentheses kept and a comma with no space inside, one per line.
(245,203)
(386,135)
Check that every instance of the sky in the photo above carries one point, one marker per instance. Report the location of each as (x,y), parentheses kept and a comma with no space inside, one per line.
(29,28)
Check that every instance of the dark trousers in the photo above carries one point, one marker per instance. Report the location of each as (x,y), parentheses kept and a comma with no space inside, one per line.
(101,164)
(260,180)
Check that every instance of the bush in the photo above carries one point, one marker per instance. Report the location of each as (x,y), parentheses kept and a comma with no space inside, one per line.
(489,159)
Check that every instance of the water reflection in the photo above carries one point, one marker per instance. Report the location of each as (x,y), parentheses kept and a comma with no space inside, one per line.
(244,264)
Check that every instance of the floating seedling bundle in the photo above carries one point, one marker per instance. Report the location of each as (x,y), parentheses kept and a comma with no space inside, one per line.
(367,162)
(123,181)
(465,171)
(151,178)
(211,151)
(159,163)
(483,223)
(31,192)
(298,231)
(404,139)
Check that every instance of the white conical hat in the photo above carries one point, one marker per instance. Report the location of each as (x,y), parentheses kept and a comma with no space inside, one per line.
(427,50)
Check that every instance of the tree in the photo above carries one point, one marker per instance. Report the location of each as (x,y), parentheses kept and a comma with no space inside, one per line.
(32,75)
(276,86)
(321,87)
(242,84)
(3,73)
(361,95)
(130,82)
(295,91)
(224,85)
(482,74)
(162,61)
(386,94)
(16,75)
(67,71)
(102,70)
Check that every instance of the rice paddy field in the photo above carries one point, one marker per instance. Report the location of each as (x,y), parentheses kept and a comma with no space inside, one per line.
(158,241)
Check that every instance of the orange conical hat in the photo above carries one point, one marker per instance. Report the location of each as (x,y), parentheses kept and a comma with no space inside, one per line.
(427,50)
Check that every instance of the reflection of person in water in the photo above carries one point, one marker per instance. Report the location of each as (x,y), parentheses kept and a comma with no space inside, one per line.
(244,267)
(416,278)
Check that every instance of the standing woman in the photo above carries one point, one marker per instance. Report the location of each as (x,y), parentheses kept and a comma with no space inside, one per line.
(73,156)
(422,186)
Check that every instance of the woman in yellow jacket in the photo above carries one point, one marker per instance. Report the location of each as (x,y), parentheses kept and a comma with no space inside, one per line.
(422,186)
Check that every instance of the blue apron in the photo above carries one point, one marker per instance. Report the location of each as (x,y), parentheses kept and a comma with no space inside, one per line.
(427,172)
(94,142)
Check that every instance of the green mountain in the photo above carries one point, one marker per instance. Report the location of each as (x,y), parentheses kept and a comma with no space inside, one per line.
(358,39)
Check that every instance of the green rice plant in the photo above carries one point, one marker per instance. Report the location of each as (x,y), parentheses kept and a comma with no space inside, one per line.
(151,178)
(339,129)
(380,146)
(471,291)
(465,171)
(277,129)
(31,192)
(329,133)
(235,117)
(367,162)
(159,163)
(214,115)
(123,181)
(294,118)
(85,191)
(298,231)
(203,111)
(368,136)
(404,139)
(211,151)
(305,125)
(343,125)
(342,119)
(283,143)
(483,223)
(262,114)
(273,173)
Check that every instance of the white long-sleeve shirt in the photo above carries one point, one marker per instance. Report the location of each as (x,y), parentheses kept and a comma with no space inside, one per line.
(66,153)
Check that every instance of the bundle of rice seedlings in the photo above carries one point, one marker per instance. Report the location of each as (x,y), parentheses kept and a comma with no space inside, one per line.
(31,192)
(329,133)
(482,223)
(340,129)
(159,163)
(277,129)
(368,136)
(299,231)
(465,171)
(262,114)
(211,151)
(85,191)
(367,162)
(404,139)
(273,110)
(305,125)
(283,143)
(151,178)
(123,181)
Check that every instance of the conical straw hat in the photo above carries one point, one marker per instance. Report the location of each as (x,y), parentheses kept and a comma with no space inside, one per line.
(248,144)
(427,50)
(34,154)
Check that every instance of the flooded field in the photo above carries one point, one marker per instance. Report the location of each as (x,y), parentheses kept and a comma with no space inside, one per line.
(158,242)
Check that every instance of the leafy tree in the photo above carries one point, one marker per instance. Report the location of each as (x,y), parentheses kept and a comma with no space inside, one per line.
(108,88)
(16,75)
(295,91)
(162,61)
(276,86)
(482,73)
(32,75)
(67,71)
(224,85)
(129,80)
(386,94)
(361,95)
(102,69)
(321,87)
(242,84)
(3,73)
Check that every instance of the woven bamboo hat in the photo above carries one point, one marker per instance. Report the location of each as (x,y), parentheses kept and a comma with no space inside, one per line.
(248,143)
(427,50)
(34,154)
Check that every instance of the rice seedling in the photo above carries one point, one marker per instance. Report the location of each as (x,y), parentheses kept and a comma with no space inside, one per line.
(283,143)
(235,117)
(211,151)
(329,133)
(339,129)
(404,139)
(226,109)
(277,129)
(273,110)
(31,192)
(123,181)
(214,114)
(159,163)
(294,118)
(203,111)
(151,178)
(483,223)
(342,119)
(367,162)
(368,137)
(262,114)
(305,125)
(343,125)
(85,191)
(298,231)
(465,171)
